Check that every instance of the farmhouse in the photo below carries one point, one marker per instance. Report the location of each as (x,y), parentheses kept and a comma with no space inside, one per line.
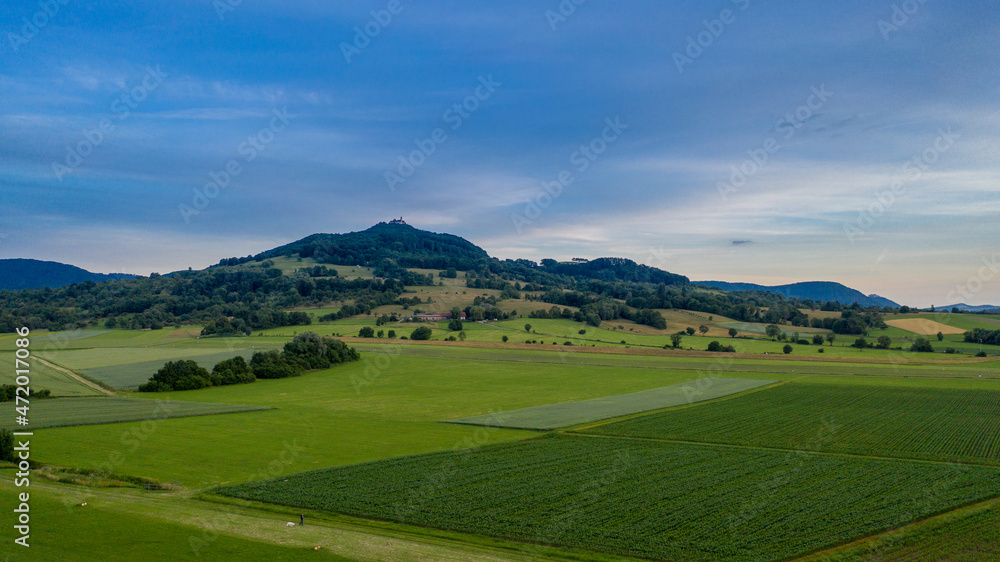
(437,316)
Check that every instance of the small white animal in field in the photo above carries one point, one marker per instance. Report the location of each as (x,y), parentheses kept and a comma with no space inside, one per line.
(289,524)
(84,504)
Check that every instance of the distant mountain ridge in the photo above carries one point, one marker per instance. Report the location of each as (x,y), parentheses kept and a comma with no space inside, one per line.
(992,308)
(820,291)
(17,274)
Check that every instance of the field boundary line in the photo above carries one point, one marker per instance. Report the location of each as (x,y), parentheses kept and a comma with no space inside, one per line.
(934,521)
(591,425)
(75,377)
(782,449)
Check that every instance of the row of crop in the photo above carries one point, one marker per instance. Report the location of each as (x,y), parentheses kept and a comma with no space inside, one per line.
(925,423)
(638,498)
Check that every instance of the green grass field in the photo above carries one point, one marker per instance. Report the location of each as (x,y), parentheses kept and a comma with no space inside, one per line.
(64,412)
(68,532)
(554,416)
(640,498)
(933,423)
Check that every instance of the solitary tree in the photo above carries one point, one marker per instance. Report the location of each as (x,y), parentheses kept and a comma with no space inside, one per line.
(773,331)
(505,338)
(461,335)
(787,349)
(884,342)
(703,329)
(830,338)
(733,332)
(421,333)
(527,327)
(675,339)
(940,336)
(818,339)
(690,331)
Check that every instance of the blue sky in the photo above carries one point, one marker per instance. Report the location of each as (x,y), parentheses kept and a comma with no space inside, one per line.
(771,142)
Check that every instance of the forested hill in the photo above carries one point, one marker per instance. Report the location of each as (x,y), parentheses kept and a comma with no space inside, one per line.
(819,291)
(18,274)
(405,245)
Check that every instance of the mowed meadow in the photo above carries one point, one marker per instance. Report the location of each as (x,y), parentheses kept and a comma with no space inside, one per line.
(829,449)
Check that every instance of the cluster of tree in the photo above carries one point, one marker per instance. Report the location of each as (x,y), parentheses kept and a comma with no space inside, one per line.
(980,335)
(450,273)
(718,347)
(8,393)
(306,351)
(248,321)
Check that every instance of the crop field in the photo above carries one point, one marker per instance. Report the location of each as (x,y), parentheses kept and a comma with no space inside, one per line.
(553,416)
(133,374)
(64,412)
(945,424)
(85,359)
(924,326)
(45,377)
(966,535)
(705,502)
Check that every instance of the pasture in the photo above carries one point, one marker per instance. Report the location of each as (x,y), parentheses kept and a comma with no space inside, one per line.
(638,498)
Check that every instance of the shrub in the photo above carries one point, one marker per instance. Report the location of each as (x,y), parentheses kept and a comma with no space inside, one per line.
(421,333)
(821,350)
(787,349)
(981,354)
(505,338)
(367,332)
(581,332)
(922,345)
